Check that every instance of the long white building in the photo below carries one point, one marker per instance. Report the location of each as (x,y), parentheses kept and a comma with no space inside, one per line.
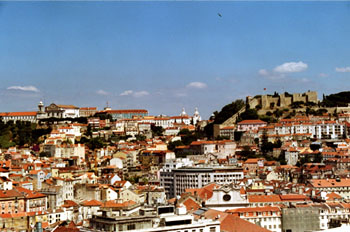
(197,177)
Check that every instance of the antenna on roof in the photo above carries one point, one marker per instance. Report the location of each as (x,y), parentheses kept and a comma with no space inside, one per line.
(107,107)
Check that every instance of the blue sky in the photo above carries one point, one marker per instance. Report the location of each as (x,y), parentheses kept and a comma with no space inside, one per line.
(163,56)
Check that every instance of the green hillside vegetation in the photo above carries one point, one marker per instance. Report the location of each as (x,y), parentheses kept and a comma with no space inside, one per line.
(338,99)
(226,112)
(20,133)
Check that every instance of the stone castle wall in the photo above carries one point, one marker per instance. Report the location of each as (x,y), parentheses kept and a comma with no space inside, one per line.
(280,101)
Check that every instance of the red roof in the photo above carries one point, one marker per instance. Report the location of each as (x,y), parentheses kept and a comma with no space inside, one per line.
(29,193)
(252,122)
(69,203)
(264,198)
(127,111)
(91,203)
(14,114)
(191,204)
(204,193)
(67,106)
(232,223)
(114,204)
(88,108)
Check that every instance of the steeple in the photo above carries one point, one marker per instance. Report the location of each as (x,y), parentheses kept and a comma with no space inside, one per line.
(183,113)
(196,113)
(41,107)
(196,117)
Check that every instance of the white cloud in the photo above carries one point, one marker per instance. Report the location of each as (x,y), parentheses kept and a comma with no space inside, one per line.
(263,72)
(323,75)
(141,94)
(181,94)
(271,75)
(29,88)
(126,93)
(342,69)
(134,94)
(197,85)
(291,67)
(102,92)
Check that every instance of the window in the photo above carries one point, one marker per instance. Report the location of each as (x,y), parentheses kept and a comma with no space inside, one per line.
(212,229)
(131,227)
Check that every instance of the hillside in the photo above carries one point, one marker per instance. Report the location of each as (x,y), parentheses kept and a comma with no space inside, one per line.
(341,99)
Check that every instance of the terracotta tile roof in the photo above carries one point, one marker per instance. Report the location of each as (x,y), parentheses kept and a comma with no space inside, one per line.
(127,111)
(253,161)
(114,204)
(88,108)
(324,183)
(333,196)
(251,122)
(91,203)
(16,114)
(13,215)
(172,200)
(10,193)
(231,223)
(191,204)
(29,193)
(66,229)
(204,193)
(69,203)
(294,197)
(3,170)
(67,106)
(264,198)
(254,209)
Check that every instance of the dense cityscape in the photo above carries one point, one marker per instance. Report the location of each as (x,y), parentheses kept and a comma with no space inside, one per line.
(174,116)
(267,163)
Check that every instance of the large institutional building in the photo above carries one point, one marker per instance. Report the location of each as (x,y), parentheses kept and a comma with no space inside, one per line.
(175,181)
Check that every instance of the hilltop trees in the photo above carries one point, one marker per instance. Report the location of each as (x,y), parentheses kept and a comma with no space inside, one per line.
(226,112)
(20,133)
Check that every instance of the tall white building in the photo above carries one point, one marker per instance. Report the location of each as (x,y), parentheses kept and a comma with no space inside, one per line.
(167,175)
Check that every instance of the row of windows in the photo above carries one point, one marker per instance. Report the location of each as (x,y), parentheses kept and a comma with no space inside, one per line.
(211,229)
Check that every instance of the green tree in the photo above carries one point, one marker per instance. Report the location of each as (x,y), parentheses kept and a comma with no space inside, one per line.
(140,137)
(173,145)
(228,111)
(95,143)
(318,158)
(248,114)
(222,137)
(157,130)
(247,152)
(225,113)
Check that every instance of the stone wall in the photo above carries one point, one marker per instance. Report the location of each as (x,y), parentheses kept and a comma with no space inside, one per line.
(281,101)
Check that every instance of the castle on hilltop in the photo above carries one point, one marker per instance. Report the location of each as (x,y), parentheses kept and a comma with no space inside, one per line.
(267,102)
